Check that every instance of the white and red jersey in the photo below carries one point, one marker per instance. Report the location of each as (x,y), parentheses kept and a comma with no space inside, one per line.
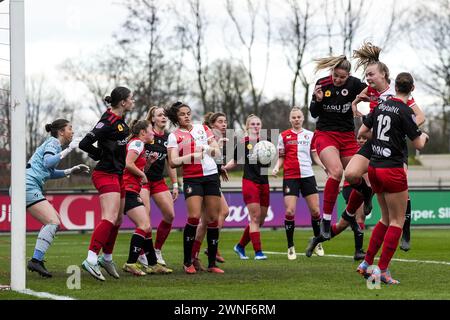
(186,143)
(376,97)
(131,181)
(296,148)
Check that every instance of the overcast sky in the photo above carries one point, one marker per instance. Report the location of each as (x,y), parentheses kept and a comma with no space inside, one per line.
(61,29)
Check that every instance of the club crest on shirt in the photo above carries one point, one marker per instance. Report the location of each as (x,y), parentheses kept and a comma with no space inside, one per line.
(99,125)
(344,92)
(288,137)
(328,93)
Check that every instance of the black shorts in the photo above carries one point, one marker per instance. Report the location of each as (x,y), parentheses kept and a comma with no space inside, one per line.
(202,186)
(293,187)
(366,150)
(132,200)
(346,193)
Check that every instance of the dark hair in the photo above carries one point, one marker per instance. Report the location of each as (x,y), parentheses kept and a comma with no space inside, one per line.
(136,126)
(404,83)
(55,126)
(172,111)
(117,95)
(210,118)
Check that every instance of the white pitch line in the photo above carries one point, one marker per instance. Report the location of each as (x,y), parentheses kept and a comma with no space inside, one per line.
(45,295)
(351,257)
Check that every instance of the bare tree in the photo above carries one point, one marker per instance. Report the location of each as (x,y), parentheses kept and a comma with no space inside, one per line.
(5,116)
(248,43)
(429,26)
(191,29)
(296,36)
(100,73)
(44,104)
(229,90)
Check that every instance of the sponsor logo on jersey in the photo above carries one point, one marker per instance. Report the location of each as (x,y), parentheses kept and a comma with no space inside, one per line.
(384,152)
(328,93)
(119,127)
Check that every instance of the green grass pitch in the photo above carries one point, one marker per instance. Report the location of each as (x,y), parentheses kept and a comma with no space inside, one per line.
(329,277)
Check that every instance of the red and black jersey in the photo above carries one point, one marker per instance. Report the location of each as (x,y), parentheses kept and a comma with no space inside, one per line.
(111,134)
(391,122)
(156,171)
(253,170)
(335,109)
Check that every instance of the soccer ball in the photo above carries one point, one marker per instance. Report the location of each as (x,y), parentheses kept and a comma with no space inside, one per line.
(265,152)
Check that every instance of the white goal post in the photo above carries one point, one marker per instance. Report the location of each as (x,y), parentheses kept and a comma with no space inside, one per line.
(18,148)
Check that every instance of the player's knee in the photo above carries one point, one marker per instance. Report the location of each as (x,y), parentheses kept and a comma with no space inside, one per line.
(336,173)
(290,211)
(315,213)
(169,217)
(351,176)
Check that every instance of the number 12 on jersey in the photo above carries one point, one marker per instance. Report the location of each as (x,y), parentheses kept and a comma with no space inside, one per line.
(384,124)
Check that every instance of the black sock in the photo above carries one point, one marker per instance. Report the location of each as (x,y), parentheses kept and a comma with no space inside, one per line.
(407,226)
(188,242)
(316,226)
(212,237)
(289,226)
(136,245)
(359,239)
(150,251)
(363,188)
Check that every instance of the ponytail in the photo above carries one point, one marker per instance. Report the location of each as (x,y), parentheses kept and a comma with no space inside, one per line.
(369,54)
(136,126)
(339,62)
(55,126)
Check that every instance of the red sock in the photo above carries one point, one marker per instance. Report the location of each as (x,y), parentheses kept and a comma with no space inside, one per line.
(330,194)
(245,239)
(100,235)
(109,245)
(355,201)
(196,249)
(362,226)
(390,244)
(256,240)
(376,240)
(162,233)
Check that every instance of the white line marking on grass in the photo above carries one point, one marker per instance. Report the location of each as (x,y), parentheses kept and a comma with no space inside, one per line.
(45,295)
(351,257)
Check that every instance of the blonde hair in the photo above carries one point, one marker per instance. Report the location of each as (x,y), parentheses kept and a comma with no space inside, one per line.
(247,122)
(151,114)
(331,63)
(369,54)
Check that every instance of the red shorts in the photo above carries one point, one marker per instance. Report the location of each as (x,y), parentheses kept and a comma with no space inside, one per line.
(391,180)
(345,142)
(108,182)
(155,187)
(255,193)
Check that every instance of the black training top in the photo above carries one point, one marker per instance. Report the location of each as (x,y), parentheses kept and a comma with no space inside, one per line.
(391,121)
(335,109)
(252,168)
(156,170)
(111,134)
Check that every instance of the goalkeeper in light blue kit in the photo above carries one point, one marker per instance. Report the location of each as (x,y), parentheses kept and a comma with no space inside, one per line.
(40,168)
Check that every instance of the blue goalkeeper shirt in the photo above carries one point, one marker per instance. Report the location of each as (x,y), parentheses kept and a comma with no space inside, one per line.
(41,166)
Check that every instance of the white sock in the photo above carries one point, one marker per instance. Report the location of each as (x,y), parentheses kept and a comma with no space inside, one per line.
(107,257)
(143,259)
(326,217)
(92,257)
